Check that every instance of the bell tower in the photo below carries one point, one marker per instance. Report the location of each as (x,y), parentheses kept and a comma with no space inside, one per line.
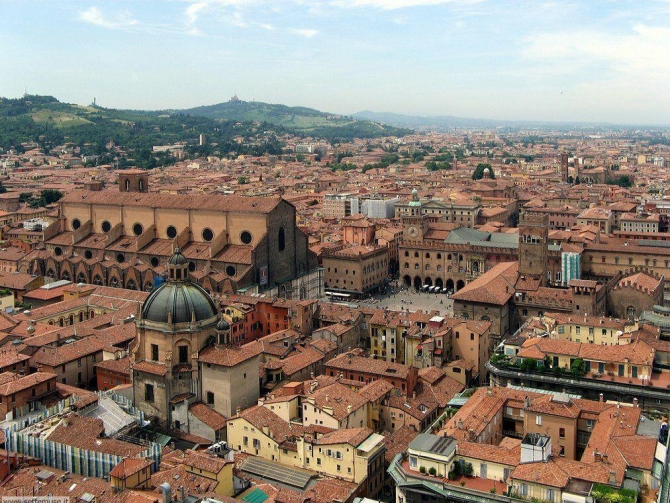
(133,180)
(533,246)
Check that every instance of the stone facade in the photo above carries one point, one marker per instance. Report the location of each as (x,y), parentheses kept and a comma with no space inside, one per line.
(124,239)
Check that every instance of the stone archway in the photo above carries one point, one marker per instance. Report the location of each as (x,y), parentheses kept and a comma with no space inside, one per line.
(439,283)
(460,284)
(417,283)
(428,281)
(407,280)
(450,285)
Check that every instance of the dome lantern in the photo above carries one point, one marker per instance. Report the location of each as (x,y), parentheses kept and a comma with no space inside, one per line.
(177,266)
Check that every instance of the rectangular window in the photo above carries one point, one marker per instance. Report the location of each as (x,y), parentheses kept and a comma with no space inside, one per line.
(154,352)
(210,398)
(561,433)
(621,370)
(148,392)
(538,420)
(183,354)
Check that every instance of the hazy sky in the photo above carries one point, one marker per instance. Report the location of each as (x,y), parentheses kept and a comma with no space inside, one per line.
(589,60)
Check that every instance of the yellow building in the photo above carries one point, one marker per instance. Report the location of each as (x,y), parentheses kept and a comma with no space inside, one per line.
(352,454)
(598,330)
(212,468)
(131,473)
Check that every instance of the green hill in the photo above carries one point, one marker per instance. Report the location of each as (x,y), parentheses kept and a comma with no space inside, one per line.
(300,120)
(48,122)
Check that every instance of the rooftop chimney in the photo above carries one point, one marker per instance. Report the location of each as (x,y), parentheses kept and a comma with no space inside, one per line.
(167,492)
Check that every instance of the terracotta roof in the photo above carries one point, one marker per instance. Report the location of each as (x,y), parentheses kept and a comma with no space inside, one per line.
(13,383)
(206,462)
(351,361)
(230,357)
(212,202)
(209,416)
(495,286)
(351,436)
(118,365)
(151,367)
(129,466)
(86,433)
(338,397)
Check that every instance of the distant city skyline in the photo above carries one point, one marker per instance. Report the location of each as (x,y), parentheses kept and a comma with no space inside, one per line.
(580,61)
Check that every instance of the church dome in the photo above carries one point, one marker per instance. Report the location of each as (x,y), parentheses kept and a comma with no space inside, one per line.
(222,325)
(181,302)
(178,300)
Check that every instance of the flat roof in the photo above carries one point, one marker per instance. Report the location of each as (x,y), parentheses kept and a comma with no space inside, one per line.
(370,443)
(274,471)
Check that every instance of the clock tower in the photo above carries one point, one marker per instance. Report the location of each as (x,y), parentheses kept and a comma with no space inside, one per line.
(414,227)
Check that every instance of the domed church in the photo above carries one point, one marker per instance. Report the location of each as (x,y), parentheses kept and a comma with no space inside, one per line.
(177,321)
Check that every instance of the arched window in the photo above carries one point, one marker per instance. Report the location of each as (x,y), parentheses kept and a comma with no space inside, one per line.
(406,253)
(630,311)
(281,239)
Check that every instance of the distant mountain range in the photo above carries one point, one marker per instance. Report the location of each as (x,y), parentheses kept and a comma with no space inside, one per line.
(446,122)
(437,122)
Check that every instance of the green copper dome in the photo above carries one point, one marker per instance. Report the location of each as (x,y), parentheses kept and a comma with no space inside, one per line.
(178,300)
(184,301)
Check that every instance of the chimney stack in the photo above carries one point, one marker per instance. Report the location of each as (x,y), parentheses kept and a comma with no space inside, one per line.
(167,492)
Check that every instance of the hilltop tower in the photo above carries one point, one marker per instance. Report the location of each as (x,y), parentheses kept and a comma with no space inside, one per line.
(533,246)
